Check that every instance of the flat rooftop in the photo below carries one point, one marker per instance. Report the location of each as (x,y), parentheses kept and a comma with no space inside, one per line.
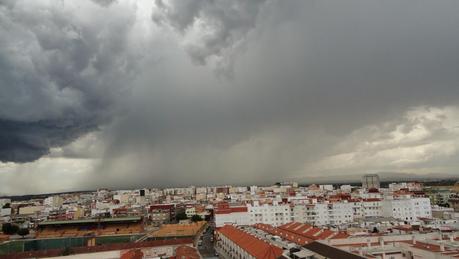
(88,221)
(179,230)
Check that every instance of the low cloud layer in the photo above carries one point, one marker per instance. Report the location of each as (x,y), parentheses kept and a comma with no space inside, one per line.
(424,139)
(125,92)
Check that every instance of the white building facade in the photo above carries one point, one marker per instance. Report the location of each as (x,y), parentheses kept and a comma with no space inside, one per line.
(275,214)
(408,209)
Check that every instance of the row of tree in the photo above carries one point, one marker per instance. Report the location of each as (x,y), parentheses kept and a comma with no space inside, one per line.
(182,216)
(11,229)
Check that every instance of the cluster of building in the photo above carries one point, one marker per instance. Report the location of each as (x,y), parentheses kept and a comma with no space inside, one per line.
(297,240)
(284,219)
(322,205)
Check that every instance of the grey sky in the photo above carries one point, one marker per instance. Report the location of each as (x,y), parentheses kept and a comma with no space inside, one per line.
(154,93)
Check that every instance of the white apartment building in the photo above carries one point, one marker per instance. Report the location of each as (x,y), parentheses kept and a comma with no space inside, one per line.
(326,187)
(371,207)
(324,213)
(340,212)
(408,209)
(53,201)
(273,214)
(237,215)
(314,213)
(346,188)
(367,208)
(201,190)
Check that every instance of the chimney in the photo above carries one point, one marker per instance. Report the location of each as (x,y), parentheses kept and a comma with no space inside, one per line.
(414,240)
(369,242)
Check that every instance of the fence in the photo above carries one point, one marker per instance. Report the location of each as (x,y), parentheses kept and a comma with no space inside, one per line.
(99,248)
(59,243)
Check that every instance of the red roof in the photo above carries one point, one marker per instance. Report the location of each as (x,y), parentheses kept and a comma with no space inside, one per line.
(252,245)
(372,199)
(293,226)
(225,208)
(186,252)
(310,232)
(340,235)
(298,239)
(132,254)
(325,234)
(230,210)
(303,228)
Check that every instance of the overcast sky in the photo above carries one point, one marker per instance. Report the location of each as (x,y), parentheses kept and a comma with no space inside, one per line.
(142,93)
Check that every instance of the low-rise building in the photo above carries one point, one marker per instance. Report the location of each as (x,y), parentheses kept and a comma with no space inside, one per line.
(225,213)
(233,242)
(161,214)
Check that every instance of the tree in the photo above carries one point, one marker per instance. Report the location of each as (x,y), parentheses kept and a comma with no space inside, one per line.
(375,230)
(181,216)
(6,206)
(9,229)
(23,232)
(196,218)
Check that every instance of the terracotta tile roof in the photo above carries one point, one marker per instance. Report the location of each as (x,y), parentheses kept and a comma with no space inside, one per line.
(229,210)
(174,230)
(340,235)
(310,232)
(303,228)
(284,234)
(325,234)
(186,252)
(294,226)
(132,254)
(371,199)
(252,245)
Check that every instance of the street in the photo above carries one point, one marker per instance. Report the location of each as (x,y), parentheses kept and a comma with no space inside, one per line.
(206,247)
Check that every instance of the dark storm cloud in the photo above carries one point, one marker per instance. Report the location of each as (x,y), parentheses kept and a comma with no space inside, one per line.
(59,75)
(310,73)
(316,87)
(28,141)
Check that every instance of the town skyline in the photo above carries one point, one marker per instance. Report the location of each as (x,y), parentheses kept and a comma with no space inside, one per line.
(353,180)
(370,219)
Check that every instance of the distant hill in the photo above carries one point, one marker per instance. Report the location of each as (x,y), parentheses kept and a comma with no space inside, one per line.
(384,177)
(38,196)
